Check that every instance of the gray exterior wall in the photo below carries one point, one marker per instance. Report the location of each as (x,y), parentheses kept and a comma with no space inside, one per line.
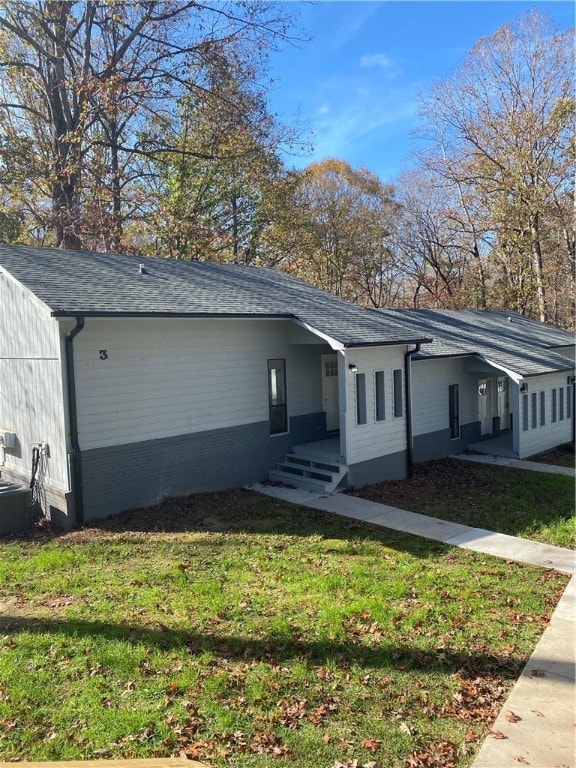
(32,399)
(58,504)
(121,477)
(394,466)
(437,445)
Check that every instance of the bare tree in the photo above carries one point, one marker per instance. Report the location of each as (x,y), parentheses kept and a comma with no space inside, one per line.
(84,79)
(500,130)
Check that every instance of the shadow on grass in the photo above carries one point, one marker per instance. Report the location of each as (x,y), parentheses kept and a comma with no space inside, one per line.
(239,511)
(276,650)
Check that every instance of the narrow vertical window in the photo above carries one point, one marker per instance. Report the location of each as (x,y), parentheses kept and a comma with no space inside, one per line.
(554,406)
(525,413)
(277,396)
(561,409)
(542,409)
(454,410)
(380,395)
(534,410)
(360,398)
(398,400)
(569,402)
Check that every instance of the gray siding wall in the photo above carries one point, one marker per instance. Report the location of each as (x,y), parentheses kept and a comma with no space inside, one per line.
(430,382)
(543,437)
(374,439)
(438,445)
(31,388)
(166,377)
(121,477)
(394,466)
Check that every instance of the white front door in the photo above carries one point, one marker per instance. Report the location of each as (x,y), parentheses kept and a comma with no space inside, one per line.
(485,406)
(504,402)
(330,391)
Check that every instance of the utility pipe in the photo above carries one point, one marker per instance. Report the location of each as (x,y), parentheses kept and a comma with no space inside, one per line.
(76,473)
(408,393)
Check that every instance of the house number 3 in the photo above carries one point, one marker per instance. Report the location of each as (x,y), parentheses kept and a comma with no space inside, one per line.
(103,354)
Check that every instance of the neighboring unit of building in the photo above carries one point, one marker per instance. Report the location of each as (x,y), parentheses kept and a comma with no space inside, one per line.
(135,379)
(495,377)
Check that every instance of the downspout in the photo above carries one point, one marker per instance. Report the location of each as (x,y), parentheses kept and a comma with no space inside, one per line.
(76,473)
(408,394)
(573,396)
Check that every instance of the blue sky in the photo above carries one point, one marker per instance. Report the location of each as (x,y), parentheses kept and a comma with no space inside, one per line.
(354,86)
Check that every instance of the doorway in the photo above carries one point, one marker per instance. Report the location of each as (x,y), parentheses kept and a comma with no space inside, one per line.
(330,392)
(485,406)
(504,402)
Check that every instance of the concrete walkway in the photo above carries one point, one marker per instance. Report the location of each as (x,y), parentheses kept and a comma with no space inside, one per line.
(502,461)
(543,698)
(477,539)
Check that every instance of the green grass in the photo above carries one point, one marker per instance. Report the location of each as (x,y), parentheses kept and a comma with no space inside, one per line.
(531,505)
(281,635)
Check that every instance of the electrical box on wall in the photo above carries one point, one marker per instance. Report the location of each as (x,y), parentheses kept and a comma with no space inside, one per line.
(7,439)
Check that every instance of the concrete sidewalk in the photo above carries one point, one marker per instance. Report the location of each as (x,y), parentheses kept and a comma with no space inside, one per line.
(544,695)
(543,700)
(464,536)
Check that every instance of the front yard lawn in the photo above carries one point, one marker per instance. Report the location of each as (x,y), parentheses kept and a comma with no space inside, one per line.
(531,505)
(243,631)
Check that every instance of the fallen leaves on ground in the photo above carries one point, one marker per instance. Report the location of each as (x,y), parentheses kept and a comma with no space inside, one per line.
(439,754)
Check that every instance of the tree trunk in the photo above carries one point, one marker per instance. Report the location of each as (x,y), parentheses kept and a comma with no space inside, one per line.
(537,267)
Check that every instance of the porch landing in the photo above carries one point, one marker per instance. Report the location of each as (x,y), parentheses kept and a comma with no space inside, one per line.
(501,445)
(329,448)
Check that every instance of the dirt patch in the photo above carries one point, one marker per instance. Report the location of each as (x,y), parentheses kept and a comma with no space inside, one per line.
(428,483)
(563,456)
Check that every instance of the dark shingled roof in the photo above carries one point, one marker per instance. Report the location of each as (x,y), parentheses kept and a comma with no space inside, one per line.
(517,343)
(102,284)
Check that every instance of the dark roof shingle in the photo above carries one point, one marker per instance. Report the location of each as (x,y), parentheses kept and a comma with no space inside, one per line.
(87,283)
(513,341)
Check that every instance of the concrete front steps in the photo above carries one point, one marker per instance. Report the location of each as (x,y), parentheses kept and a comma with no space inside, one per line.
(312,467)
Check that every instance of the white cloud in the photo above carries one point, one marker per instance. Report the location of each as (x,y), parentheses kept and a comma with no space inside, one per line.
(376,60)
(361,118)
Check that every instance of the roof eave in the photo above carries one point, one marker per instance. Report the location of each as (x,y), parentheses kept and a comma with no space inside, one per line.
(393,343)
(66,313)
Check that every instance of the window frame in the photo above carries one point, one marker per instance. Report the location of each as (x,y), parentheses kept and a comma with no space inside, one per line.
(454,411)
(525,412)
(398,393)
(275,408)
(360,398)
(379,396)
(534,410)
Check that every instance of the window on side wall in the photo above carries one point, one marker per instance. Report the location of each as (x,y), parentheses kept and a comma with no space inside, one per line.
(360,398)
(561,409)
(542,409)
(398,399)
(277,396)
(554,406)
(534,413)
(379,389)
(454,410)
(569,401)
(524,413)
